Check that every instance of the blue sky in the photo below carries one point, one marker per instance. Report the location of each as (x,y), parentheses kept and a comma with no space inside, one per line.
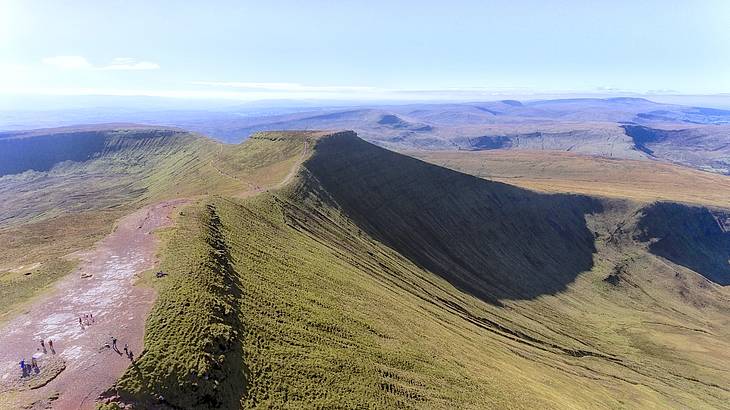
(363,50)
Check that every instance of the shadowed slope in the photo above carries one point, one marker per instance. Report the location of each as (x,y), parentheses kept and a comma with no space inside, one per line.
(493,240)
(47,151)
(688,236)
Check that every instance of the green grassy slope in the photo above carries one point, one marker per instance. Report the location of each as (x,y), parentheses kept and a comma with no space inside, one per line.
(46,215)
(349,288)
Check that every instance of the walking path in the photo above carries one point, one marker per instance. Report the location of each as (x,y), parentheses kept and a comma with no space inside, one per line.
(119,309)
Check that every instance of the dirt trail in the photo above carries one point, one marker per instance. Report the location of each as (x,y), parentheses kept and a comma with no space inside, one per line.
(295,167)
(256,189)
(119,310)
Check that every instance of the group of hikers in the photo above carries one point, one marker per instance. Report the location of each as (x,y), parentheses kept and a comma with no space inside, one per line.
(88,320)
(127,350)
(28,368)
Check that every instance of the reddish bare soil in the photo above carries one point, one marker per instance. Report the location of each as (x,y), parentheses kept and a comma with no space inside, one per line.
(119,309)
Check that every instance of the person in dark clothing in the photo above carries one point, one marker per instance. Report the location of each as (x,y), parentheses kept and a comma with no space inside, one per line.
(43,345)
(50,344)
(114,345)
(23,368)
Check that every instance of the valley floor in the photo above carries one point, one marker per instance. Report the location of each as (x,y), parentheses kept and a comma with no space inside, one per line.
(554,171)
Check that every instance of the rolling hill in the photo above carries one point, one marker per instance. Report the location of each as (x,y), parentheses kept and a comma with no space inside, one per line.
(372,279)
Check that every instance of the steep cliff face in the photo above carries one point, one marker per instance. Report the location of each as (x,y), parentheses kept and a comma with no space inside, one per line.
(693,237)
(705,147)
(41,153)
(493,240)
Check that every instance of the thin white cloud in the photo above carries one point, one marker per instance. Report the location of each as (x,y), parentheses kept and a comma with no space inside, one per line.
(81,63)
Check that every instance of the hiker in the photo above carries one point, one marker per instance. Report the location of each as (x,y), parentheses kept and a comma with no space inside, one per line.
(23,369)
(50,344)
(131,356)
(81,323)
(34,364)
(43,345)
(114,345)
(126,349)
(91,316)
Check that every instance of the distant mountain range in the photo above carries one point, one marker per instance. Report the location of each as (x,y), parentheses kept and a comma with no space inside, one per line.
(633,128)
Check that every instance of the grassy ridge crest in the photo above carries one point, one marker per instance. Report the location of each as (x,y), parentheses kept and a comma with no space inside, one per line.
(196,317)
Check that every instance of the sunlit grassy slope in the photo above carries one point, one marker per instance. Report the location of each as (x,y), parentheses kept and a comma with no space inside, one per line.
(74,200)
(374,280)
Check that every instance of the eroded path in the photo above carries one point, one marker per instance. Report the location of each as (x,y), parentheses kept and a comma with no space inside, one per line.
(119,309)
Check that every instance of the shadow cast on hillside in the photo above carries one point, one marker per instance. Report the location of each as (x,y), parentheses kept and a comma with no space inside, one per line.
(492,240)
(688,236)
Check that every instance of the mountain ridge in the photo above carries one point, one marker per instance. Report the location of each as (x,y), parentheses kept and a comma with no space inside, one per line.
(342,311)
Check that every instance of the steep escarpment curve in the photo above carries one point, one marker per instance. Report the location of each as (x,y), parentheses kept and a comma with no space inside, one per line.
(43,151)
(643,136)
(47,150)
(490,239)
(693,237)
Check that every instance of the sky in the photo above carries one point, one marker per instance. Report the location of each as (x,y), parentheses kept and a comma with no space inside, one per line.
(363,50)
